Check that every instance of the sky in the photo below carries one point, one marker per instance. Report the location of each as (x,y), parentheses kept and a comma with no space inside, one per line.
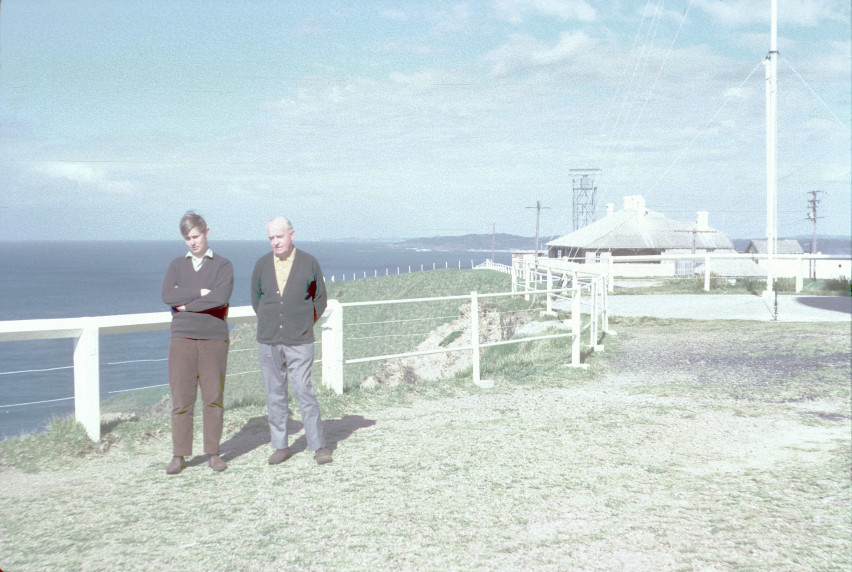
(367,120)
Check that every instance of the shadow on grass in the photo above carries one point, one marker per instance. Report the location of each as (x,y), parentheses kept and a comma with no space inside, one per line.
(256,433)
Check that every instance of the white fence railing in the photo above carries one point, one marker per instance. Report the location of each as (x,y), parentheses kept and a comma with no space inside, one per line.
(86,333)
(333,358)
(401,269)
(796,266)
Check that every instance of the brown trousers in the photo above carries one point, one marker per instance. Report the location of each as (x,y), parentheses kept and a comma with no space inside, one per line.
(194,363)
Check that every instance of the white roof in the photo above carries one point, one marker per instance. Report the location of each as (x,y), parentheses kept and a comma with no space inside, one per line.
(638,228)
(785,246)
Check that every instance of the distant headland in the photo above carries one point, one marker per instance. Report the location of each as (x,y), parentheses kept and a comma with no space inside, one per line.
(511,242)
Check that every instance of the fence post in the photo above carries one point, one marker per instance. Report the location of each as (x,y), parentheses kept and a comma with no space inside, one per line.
(576,322)
(605,311)
(527,279)
(799,275)
(87,382)
(549,308)
(332,346)
(610,273)
(593,318)
(474,335)
(514,279)
(706,272)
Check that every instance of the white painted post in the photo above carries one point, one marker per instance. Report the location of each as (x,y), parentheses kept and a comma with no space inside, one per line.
(576,322)
(527,279)
(593,325)
(606,258)
(474,335)
(549,308)
(800,275)
(87,398)
(332,346)
(706,272)
(514,280)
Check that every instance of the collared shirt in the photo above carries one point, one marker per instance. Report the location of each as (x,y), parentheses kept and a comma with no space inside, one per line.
(198,262)
(282,270)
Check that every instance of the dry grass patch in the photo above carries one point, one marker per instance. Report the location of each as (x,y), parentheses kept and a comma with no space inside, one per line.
(648,462)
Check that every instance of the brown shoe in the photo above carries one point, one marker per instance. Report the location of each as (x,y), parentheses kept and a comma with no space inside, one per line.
(322,456)
(216,463)
(176,465)
(279,456)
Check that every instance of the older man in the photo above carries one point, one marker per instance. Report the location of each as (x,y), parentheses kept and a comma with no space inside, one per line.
(288,295)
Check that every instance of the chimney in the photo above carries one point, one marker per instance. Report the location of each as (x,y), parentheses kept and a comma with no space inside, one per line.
(635,203)
(609,208)
(702,221)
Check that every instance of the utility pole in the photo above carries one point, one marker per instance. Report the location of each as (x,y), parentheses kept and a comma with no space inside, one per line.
(771,151)
(695,232)
(813,203)
(537,208)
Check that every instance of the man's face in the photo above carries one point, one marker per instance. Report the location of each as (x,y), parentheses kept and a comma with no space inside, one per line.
(280,239)
(196,241)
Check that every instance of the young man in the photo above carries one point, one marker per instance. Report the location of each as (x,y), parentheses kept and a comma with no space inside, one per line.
(198,288)
(288,295)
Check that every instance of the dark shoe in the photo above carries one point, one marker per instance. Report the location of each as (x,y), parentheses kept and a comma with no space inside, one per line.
(279,456)
(322,456)
(176,465)
(216,463)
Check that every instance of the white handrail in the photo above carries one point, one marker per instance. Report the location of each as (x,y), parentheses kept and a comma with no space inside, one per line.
(86,332)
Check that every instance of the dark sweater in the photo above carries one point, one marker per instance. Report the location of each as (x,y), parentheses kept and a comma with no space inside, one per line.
(204,315)
(288,319)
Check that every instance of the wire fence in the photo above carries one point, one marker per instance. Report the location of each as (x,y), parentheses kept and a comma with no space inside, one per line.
(371,332)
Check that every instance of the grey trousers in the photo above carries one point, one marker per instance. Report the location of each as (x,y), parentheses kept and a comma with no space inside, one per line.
(278,364)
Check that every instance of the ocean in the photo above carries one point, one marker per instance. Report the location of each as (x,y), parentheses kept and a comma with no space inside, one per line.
(73,279)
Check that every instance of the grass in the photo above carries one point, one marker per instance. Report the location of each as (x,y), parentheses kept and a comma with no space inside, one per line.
(684,445)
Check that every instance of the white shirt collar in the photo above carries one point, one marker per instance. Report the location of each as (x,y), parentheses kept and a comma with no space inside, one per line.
(198,262)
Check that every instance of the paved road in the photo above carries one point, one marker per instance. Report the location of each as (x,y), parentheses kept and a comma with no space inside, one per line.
(791,308)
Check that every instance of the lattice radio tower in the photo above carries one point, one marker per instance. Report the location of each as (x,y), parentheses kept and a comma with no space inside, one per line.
(585,195)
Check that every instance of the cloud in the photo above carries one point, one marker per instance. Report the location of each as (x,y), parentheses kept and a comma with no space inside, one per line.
(85,175)
(523,52)
(806,13)
(515,11)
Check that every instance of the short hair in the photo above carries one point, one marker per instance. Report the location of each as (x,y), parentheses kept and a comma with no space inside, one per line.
(189,221)
(282,220)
